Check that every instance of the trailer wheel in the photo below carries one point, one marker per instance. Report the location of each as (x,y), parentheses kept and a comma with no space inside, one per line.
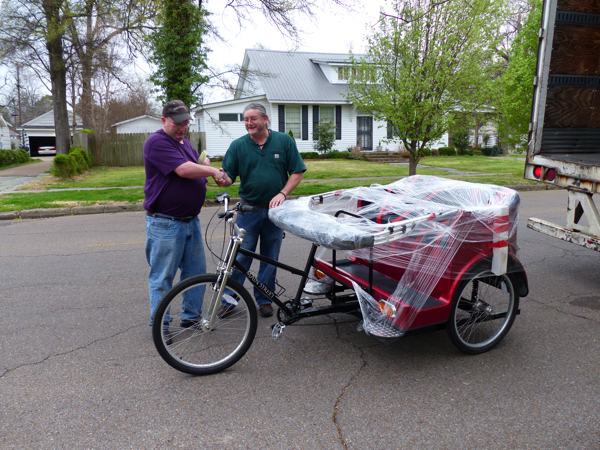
(483,310)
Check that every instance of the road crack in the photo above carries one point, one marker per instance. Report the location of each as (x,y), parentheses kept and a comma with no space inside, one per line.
(338,401)
(55,355)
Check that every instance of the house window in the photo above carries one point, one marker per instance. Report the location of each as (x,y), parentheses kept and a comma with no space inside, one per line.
(343,73)
(228,117)
(327,115)
(293,120)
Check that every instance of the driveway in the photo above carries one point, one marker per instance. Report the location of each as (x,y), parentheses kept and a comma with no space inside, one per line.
(11,179)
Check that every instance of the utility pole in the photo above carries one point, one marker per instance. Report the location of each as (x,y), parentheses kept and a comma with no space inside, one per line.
(19,122)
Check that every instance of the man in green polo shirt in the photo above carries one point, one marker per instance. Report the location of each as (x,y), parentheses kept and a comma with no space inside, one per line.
(269,167)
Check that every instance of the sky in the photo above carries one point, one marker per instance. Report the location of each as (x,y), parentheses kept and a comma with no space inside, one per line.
(332,28)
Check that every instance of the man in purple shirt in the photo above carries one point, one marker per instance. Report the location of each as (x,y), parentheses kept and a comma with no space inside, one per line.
(174,193)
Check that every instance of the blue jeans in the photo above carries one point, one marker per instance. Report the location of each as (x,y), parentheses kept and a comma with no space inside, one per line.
(172,245)
(257,225)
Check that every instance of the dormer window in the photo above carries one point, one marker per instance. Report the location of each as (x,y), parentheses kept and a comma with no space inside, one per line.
(345,72)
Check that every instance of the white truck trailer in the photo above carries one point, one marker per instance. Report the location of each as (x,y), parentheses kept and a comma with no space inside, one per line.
(564,134)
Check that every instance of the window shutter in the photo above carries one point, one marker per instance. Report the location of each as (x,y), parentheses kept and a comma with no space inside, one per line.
(389,131)
(315,119)
(304,122)
(338,121)
(281,112)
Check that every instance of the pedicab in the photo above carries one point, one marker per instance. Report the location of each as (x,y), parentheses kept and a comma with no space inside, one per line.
(419,254)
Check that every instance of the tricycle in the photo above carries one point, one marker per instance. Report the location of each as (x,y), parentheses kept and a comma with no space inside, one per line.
(419,254)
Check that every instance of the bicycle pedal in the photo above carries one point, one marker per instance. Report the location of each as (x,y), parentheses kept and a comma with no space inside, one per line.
(277,330)
(305,302)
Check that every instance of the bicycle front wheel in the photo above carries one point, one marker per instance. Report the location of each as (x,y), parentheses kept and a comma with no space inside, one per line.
(184,336)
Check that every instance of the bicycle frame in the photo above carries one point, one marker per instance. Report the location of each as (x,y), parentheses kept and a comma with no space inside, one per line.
(291,311)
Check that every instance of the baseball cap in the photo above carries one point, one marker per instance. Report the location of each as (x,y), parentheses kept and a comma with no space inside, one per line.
(176,110)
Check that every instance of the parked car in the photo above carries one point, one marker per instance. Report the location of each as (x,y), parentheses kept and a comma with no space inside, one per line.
(47,150)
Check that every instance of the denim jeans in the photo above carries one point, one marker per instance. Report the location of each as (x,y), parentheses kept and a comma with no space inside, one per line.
(172,245)
(257,225)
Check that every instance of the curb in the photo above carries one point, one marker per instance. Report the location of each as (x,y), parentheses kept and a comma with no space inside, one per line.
(116,208)
(75,211)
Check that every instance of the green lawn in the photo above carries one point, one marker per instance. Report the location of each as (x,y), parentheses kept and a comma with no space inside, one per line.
(321,176)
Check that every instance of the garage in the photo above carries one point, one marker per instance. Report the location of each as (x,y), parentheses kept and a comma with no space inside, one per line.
(39,132)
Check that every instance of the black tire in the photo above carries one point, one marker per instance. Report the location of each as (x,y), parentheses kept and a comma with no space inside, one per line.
(191,346)
(483,310)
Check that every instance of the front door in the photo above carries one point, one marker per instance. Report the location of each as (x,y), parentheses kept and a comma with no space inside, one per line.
(364,132)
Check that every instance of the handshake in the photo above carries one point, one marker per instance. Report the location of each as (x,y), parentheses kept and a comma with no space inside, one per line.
(221,178)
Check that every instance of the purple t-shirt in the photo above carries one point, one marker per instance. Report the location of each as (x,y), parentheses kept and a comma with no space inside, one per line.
(164,191)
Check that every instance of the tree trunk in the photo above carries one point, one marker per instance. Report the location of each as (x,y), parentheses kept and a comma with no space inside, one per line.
(413,158)
(58,73)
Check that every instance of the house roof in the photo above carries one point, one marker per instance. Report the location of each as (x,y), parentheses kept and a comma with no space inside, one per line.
(133,119)
(229,102)
(46,120)
(292,76)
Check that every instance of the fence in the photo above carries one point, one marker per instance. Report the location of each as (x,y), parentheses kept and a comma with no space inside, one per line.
(122,149)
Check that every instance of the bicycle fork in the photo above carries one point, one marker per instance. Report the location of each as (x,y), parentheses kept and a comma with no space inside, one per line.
(224,271)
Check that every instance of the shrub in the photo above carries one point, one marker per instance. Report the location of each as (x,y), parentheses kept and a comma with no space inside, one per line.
(460,139)
(87,155)
(324,137)
(64,166)
(491,151)
(79,158)
(447,151)
(309,155)
(8,157)
(424,152)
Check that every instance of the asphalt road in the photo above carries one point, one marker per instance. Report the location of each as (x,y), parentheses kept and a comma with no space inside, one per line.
(78,368)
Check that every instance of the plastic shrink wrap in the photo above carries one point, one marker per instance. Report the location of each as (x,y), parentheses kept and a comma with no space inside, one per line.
(402,245)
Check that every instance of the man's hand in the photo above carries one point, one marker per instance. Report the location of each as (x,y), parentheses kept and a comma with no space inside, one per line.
(221,178)
(277,200)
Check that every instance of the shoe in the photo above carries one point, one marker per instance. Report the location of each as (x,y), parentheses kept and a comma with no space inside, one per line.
(189,323)
(225,311)
(265,310)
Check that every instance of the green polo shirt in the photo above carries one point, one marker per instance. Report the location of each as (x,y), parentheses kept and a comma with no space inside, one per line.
(263,173)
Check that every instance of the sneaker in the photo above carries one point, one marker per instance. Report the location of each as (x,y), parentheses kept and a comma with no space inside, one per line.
(265,310)
(225,311)
(189,323)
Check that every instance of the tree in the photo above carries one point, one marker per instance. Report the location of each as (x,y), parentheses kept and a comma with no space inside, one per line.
(55,28)
(515,85)
(177,50)
(93,28)
(425,61)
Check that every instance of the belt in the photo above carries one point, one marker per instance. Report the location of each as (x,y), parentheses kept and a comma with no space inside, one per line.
(178,219)
(255,205)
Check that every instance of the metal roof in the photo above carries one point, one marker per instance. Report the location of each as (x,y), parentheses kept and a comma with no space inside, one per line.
(292,76)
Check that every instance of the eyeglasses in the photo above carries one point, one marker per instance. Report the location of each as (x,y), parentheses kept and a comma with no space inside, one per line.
(251,118)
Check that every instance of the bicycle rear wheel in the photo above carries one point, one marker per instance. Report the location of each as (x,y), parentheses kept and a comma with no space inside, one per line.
(483,310)
(185,340)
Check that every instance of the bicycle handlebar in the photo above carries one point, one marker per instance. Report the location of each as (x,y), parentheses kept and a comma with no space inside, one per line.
(227,213)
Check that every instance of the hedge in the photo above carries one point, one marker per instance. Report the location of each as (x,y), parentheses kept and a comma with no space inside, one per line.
(9,157)
(71,164)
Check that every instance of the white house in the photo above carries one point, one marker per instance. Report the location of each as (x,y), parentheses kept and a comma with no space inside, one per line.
(300,90)
(4,134)
(139,124)
(40,131)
